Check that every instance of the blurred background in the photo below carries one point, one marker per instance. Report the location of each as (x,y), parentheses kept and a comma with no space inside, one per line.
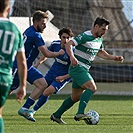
(111,77)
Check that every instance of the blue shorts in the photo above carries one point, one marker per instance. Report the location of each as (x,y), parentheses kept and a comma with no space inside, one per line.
(50,78)
(32,75)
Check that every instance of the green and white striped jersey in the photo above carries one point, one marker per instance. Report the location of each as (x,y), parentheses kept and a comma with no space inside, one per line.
(10,42)
(86,48)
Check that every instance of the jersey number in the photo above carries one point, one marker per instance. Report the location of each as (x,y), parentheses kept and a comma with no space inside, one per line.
(8,41)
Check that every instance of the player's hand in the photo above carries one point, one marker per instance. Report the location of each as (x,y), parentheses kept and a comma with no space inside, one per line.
(36,65)
(61,52)
(60,79)
(74,61)
(20,94)
(119,58)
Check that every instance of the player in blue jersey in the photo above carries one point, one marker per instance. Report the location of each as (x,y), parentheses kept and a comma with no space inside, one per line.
(88,45)
(11,45)
(34,43)
(57,72)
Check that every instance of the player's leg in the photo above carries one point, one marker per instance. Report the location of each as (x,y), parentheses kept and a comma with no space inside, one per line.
(36,78)
(55,87)
(43,98)
(56,116)
(15,83)
(1,122)
(5,84)
(24,111)
(90,88)
(40,85)
(67,104)
(83,78)
(49,77)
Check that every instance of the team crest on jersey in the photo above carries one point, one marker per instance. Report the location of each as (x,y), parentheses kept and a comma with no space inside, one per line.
(79,37)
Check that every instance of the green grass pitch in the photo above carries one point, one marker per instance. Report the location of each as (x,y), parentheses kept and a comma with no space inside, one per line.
(116,116)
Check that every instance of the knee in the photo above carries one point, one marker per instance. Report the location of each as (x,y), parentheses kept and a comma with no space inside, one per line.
(41,84)
(40,87)
(46,93)
(90,85)
(93,88)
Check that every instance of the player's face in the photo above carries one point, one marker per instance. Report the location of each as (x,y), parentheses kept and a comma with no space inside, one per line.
(101,30)
(64,38)
(41,25)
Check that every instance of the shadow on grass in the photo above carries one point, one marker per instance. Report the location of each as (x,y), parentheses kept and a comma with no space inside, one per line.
(106,119)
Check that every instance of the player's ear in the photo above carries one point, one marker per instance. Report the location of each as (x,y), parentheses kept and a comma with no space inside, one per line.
(96,25)
(8,9)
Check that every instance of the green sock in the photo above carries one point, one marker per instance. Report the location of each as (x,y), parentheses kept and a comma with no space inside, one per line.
(68,103)
(1,125)
(84,99)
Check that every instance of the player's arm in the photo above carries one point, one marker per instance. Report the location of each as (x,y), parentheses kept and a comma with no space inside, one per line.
(105,55)
(40,61)
(50,54)
(62,78)
(22,71)
(68,47)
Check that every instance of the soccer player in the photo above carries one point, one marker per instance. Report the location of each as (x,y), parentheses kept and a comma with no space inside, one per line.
(58,71)
(87,45)
(34,43)
(11,45)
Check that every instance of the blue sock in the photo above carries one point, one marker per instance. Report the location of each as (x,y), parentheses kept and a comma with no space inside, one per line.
(29,102)
(42,100)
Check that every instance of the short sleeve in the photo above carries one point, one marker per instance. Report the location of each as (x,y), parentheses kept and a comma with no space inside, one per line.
(38,40)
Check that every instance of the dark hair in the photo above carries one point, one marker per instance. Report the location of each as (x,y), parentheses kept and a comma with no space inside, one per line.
(3,5)
(101,20)
(37,15)
(67,31)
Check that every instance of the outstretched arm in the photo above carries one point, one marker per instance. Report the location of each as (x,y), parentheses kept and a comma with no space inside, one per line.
(105,55)
(50,54)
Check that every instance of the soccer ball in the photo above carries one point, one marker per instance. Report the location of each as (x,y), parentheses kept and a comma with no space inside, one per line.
(93,117)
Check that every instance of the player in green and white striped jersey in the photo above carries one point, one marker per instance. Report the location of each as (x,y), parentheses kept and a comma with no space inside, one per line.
(11,45)
(87,45)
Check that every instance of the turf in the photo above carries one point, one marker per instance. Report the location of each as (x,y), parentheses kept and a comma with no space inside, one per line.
(116,116)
